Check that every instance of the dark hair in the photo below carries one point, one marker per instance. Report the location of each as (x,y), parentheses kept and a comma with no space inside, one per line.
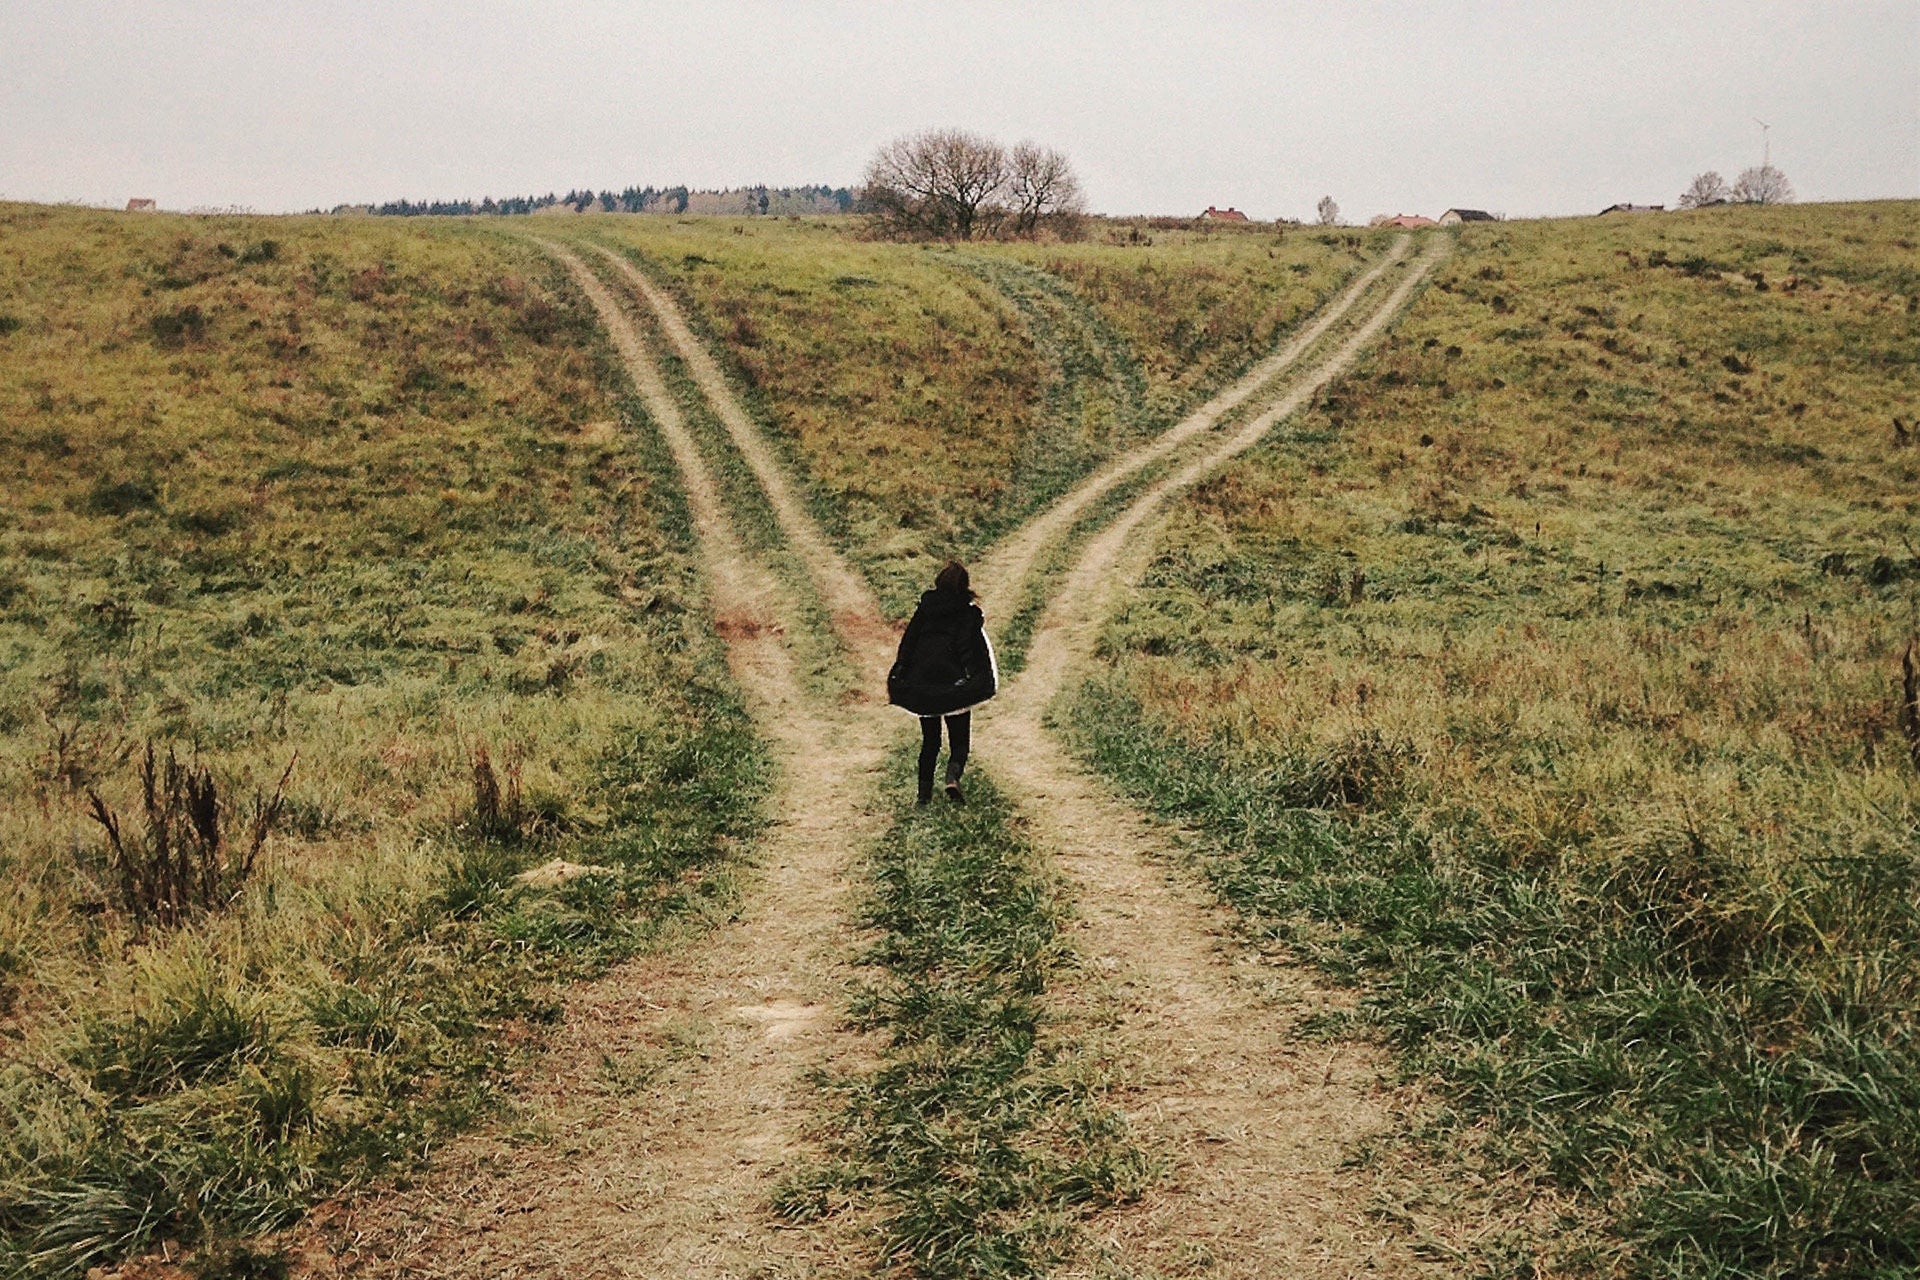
(953,578)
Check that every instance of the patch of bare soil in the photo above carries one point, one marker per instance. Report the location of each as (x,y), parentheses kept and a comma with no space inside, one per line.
(674,1096)
(1258,1127)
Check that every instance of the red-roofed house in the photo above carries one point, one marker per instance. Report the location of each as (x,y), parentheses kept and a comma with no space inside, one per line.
(1403,220)
(1222,215)
(139,205)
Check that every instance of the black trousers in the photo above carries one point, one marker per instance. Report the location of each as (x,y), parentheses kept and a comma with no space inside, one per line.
(959,736)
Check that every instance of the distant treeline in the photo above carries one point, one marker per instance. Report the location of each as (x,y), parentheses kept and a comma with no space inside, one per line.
(737,200)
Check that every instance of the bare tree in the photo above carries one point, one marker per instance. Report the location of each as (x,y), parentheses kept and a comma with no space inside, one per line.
(944,183)
(1041,187)
(1329,212)
(1762,184)
(1705,189)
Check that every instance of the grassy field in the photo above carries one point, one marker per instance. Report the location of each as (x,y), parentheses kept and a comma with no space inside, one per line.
(931,397)
(1545,681)
(363,497)
(364,503)
(1542,681)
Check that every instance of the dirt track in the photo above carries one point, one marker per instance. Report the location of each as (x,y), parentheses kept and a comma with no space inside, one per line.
(1258,1125)
(856,612)
(1001,575)
(670,1179)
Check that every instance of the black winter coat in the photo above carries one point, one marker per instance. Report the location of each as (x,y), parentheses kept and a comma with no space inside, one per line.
(946,662)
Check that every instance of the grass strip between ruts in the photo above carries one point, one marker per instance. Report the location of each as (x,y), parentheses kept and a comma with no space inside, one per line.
(982,1136)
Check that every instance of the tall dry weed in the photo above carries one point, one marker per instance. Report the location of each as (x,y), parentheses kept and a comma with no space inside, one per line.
(182,861)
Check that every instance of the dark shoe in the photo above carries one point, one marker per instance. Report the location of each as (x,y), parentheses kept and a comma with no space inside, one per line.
(921,800)
(953,793)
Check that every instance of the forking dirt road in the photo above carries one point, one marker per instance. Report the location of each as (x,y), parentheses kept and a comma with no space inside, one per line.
(672,1180)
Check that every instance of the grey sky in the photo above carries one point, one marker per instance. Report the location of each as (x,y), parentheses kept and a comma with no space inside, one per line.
(1523,108)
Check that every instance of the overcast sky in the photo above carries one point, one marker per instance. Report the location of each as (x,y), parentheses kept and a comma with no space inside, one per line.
(1397,105)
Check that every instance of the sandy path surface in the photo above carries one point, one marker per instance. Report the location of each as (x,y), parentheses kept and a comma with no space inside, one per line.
(1257,1125)
(673,1097)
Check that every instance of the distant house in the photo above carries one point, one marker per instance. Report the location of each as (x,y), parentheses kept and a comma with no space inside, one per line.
(1222,215)
(140,205)
(1631,208)
(1454,217)
(1402,220)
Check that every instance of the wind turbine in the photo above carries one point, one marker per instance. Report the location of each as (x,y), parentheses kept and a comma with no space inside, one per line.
(1766,142)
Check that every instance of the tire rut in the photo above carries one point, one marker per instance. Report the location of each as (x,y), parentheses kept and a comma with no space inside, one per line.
(667,1174)
(1257,1126)
(1093,401)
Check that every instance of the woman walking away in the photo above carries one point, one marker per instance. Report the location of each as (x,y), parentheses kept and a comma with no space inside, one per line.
(945,670)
